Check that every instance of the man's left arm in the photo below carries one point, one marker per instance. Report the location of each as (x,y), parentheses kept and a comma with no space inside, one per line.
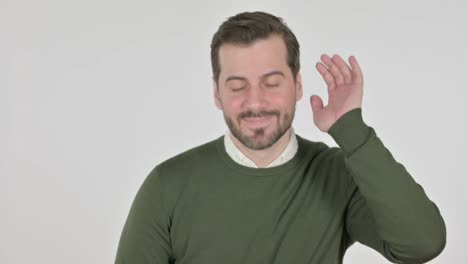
(388,210)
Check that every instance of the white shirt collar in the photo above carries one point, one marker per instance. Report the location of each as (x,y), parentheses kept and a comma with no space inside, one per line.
(235,153)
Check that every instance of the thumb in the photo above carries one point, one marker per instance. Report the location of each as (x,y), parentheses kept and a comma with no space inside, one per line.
(316,103)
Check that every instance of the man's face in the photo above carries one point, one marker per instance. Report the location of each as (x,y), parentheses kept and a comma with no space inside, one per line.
(256,92)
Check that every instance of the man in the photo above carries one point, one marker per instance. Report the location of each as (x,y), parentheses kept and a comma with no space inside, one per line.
(262,194)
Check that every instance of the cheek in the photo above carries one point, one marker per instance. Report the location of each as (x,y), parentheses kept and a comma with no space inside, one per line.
(233,106)
(236,102)
(281,103)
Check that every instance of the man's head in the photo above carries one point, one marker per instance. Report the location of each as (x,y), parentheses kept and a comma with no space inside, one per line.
(256,79)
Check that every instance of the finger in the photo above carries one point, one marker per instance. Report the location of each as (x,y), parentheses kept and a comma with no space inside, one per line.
(316,103)
(333,69)
(326,75)
(356,70)
(344,68)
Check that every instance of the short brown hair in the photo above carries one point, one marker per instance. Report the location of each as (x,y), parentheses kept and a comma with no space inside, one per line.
(247,27)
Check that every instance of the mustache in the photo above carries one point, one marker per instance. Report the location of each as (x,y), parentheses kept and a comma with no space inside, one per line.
(248,114)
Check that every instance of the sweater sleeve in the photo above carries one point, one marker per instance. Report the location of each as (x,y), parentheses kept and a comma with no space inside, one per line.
(387,211)
(145,236)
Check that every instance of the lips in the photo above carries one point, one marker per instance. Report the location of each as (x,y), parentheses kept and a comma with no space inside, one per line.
(256,122)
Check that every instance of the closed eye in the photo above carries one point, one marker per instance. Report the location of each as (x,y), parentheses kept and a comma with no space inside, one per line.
(237,89)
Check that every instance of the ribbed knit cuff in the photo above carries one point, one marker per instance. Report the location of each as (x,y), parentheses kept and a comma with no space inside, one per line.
(350,131)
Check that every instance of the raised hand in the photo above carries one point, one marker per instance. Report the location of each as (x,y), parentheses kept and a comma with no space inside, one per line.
(345,90)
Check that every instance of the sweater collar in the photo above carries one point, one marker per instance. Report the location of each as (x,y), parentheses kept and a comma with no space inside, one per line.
(234,152)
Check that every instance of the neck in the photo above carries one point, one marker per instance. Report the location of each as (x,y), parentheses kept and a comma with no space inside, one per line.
(265,156)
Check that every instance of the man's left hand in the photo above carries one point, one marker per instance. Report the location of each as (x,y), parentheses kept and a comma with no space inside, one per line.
(345,90)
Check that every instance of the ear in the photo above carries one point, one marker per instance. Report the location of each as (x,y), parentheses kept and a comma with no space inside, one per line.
(216,95)
(298,86)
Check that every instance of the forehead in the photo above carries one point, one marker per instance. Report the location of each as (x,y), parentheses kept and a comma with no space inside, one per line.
(262,56)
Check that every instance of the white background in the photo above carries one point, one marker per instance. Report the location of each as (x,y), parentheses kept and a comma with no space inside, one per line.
(94,94)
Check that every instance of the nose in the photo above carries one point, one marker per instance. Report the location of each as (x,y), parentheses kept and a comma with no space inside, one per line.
(255,98)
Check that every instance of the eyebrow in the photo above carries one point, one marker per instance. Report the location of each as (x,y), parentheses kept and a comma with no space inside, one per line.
(235,77)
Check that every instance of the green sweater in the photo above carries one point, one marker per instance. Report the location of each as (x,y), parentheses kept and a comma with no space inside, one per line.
(201,207)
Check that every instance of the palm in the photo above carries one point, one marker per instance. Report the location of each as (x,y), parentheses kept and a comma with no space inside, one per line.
(345,90)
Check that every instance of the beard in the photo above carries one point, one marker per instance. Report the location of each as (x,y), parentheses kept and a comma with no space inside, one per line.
(260,139)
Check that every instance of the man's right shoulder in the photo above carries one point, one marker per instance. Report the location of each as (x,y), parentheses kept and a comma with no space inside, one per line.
(192,160)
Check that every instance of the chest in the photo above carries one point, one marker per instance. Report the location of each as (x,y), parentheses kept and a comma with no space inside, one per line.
(278,220)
